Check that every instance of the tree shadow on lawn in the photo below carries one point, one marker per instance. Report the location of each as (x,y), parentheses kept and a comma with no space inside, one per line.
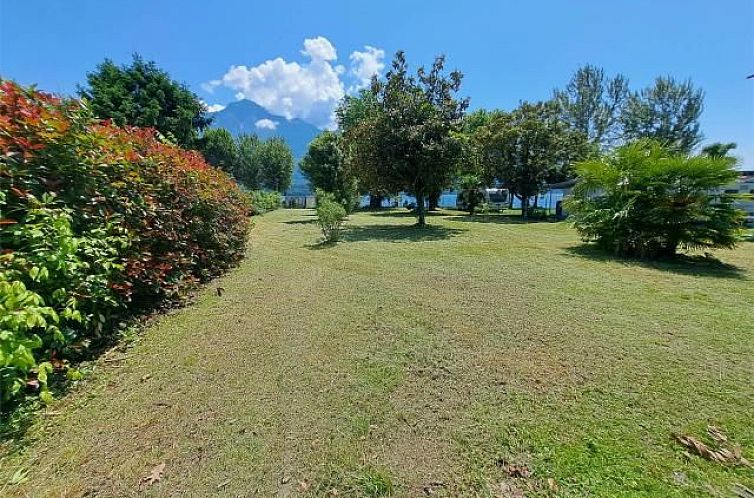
(301,222)
(682,264)
(507,219)
(399,233)
(400,213)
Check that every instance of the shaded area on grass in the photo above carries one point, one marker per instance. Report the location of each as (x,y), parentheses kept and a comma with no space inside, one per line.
(399,233)
(513,219)
(697,266)
(301,222)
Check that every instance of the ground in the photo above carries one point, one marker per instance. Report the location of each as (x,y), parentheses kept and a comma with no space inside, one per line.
(475,357)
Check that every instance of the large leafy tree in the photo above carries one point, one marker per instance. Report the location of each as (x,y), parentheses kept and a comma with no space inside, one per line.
(407,137)
(247,167)
(219,149)
(356,115)
(592,103)
(273,159)
(326,169)
(141,94)
(528,147)
(668,112)
(647,200)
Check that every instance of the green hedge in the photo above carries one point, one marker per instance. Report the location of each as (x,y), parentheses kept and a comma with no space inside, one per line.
(97,222)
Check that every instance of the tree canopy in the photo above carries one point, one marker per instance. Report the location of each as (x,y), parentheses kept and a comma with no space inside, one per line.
(404,135)
(273,159)
(592,103)
(668,112)
(326,169)
(142,94)
(528,147)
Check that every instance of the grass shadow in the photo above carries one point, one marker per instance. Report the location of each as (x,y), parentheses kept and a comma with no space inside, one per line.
(507,219)
(301,222)
(400,213)
(682,264)
(323,244)
(399,233)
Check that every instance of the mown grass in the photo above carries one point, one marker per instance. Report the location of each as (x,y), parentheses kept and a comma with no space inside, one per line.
(410,362)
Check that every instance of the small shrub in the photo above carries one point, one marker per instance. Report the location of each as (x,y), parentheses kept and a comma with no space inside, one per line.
(470,196)
(262,202)
(330,216)
(646,201)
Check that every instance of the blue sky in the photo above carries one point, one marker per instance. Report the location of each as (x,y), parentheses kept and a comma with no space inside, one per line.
(509,51)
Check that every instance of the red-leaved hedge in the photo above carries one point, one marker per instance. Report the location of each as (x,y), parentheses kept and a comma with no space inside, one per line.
(96,222)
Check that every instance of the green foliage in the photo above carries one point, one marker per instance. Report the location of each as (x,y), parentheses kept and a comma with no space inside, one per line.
(469,194)
(330,216)
(218,147)
(326,169)
(96,223)
(274,161)
(645,200)
(141,94)
(718,149)
(262,202)
(254,163)
(247,169)
(403,136)
(592,104)
(668,112)
(529,147)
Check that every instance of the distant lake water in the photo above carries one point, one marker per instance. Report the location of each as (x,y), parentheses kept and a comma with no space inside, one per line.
(448,200)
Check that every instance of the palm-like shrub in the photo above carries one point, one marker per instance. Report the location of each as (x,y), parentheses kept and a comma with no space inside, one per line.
(643,200)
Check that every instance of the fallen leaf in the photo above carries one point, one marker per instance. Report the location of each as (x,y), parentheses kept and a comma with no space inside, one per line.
(220,291)
(303,486)
(518,471)
(154,476)
(717,435)
(721,455)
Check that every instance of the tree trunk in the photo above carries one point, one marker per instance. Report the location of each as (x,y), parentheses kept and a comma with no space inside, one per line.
(375,201)
(524,207)
(420,220)
(434,200)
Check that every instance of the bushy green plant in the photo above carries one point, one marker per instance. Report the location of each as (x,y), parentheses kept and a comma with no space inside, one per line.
(262,201)
(470,196)
(330,216)
(97,222)
(644,200)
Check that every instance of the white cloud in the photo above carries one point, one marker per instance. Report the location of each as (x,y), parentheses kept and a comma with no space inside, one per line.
(210,86)
(319,48)
(212,107)
(364,65)
(309,90)
(215,108)
(266,124)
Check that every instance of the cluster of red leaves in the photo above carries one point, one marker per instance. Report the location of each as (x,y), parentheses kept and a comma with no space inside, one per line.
(186,220)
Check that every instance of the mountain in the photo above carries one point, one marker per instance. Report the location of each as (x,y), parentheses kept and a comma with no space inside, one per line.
(245,116)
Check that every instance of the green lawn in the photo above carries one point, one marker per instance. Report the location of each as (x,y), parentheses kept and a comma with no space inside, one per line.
(415,363)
